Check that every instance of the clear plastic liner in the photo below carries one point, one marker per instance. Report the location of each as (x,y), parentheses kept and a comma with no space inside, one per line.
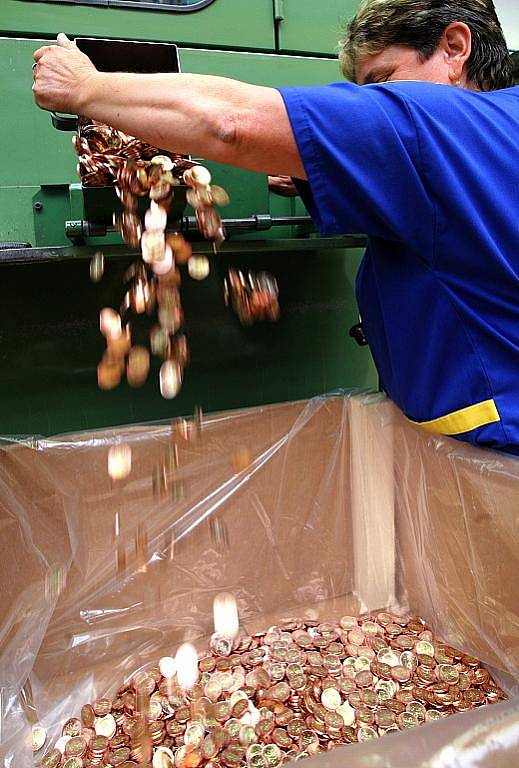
(312,509)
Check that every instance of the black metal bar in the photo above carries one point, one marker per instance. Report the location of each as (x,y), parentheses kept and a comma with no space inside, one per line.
(58,254)
(261,222)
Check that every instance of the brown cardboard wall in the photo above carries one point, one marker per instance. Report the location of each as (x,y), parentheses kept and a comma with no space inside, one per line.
(458,541)
(342,497)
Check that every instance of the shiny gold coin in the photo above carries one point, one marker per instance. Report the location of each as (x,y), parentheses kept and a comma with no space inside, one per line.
(347,713)
(39,737)
(105,726)
(76,746)
(52,759)
(73,762)
(197,175)
(198,267)
(170,377)
(119,467)
(219,196)
(366,733)
(424,647)
(165,162)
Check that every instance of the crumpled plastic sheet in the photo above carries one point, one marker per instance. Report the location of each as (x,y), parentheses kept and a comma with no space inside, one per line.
(343,507)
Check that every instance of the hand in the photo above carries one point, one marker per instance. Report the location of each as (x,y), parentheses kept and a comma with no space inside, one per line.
(61,76)
(282,185)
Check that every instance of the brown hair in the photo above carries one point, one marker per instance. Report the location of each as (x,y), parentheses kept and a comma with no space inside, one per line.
(420,24)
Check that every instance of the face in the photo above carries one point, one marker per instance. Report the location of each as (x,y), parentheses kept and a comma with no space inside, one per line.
(399,62)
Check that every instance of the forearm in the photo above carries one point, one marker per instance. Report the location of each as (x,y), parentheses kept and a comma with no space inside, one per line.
(213,117)
(191,114)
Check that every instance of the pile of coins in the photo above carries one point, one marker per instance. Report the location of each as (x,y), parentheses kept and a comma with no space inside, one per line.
(261,700)
(103,151)
(252,297)
(108,156)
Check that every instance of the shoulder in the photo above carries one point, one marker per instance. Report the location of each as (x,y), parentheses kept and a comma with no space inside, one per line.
(435,97)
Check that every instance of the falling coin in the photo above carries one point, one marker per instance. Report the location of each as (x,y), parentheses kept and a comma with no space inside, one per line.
(198,267)
(109,323)
(108,374)
(220,196)
(165,265)
(153,245)
(197,175)
(119,463)
(156,217)
(181,248)
(225,613)
(167,666)
(164,161)
(97,267)
(159,341)
(187,666)
(138,366)
(170,376)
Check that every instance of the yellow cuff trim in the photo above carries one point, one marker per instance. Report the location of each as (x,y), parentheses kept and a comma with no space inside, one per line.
(466,420)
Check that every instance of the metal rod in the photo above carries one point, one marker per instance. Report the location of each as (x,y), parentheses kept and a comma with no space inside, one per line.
(258,223)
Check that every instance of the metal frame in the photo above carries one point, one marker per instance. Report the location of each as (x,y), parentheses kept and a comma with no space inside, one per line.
(302,246)
(137,4)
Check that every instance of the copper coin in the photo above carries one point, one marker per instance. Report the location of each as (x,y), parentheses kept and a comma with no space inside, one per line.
(52,759)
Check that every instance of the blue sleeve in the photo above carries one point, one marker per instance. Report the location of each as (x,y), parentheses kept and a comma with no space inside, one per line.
(361,155)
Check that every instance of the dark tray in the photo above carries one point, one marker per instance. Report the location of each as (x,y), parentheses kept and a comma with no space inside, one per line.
(100,203)
(122,56)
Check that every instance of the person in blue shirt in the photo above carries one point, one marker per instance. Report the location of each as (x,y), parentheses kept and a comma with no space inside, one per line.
(418,150)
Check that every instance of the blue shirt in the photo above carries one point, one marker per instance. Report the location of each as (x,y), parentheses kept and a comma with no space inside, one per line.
(431,174)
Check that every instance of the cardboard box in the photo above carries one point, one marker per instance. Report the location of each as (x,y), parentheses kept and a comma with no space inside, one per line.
(341,507)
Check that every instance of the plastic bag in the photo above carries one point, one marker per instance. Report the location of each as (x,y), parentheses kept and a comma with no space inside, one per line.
(313,509)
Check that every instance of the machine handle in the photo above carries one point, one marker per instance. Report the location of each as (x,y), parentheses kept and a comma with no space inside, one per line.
(63,122)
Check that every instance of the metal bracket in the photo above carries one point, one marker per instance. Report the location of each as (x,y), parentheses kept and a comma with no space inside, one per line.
(64,122)
(279,10)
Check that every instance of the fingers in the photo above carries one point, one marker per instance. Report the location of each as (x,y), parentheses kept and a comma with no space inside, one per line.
(64,42)
(41,52)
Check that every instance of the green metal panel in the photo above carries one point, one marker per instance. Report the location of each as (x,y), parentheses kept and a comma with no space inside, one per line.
(34,153)
(16,214)
(50,343)
(222,24)
(313,27)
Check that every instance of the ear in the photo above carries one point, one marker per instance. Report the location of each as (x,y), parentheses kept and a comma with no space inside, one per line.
(456,44)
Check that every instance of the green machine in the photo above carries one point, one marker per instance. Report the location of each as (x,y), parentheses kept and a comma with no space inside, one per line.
(49,338)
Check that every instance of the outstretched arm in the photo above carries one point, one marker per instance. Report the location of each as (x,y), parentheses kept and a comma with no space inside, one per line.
(212,117)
